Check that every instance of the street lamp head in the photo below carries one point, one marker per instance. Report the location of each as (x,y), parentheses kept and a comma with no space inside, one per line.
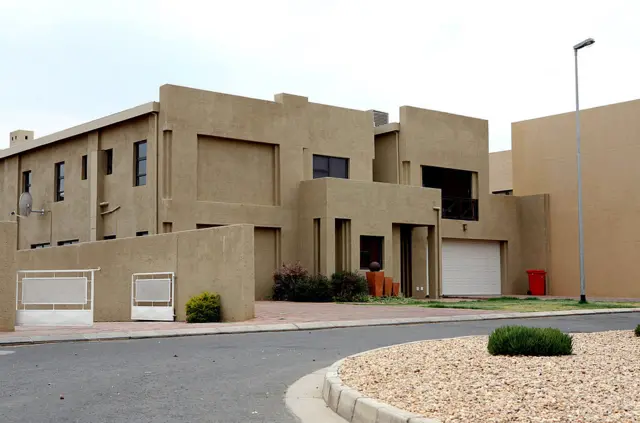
(585,43)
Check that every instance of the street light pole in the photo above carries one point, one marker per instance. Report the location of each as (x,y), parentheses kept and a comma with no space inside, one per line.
(583,295)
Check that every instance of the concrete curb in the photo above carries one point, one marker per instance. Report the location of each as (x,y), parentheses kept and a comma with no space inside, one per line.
(355,407)
(285,327)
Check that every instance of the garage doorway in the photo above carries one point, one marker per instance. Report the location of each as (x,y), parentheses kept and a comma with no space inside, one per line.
(471,268)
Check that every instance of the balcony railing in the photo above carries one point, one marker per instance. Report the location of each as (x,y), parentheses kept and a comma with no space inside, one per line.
(459,208)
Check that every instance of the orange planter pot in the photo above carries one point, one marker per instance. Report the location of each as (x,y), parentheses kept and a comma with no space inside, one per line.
(375,281)
(388,284)
(395,289)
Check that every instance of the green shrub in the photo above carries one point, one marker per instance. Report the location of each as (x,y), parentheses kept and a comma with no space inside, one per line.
(637,331)
(312,289)
(349,287)
(285,279)
(203,308)
(520,340)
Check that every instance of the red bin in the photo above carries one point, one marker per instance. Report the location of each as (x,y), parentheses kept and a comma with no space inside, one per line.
(537,282)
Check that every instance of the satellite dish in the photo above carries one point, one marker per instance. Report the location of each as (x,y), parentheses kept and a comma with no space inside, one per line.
(24,204)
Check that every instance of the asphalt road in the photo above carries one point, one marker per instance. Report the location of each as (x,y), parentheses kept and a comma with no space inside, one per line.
(220,378)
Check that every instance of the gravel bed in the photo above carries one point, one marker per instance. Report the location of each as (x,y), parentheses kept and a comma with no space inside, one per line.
(457,380)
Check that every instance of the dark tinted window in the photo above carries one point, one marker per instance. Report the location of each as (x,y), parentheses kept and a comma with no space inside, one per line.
(331,167)
(26,181)
(371,249)
(109,161)
(83,176)
(141,163)
(60,181)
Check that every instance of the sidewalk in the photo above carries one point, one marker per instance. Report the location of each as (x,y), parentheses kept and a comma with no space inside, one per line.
(273,317)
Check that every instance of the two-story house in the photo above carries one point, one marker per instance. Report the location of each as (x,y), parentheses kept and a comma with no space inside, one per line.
(330,187)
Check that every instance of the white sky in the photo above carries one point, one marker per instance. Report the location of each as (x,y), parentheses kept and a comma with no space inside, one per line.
(65,62)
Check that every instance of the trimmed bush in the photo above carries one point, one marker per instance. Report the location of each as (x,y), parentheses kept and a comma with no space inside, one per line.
(285,279)
(349,287)
(521,340)
(203,308)
(312,289)
(637,331)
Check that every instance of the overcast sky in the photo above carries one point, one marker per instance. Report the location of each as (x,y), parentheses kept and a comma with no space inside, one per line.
(65,62)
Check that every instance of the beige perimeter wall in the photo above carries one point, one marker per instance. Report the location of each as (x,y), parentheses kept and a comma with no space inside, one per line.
(544,161)
(8,234)
(216,260)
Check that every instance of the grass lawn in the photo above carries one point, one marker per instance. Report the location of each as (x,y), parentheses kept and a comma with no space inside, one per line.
(503,304)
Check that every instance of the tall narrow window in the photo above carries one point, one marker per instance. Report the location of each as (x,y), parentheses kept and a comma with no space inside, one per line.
(84,168)
(108,161)
(26,181)
(140,150)
(60,181)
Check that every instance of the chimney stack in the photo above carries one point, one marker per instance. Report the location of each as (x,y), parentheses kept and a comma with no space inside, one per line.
(19,136)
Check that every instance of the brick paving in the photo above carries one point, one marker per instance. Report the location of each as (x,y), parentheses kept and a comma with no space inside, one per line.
(267,313)
(272,312)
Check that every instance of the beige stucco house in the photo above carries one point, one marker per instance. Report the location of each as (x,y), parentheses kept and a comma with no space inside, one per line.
(333,188)
(544,161)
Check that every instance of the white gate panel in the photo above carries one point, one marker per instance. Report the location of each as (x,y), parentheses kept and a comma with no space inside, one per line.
(54,318)
(152,296)
(470,267)
(55,297)
(54,290)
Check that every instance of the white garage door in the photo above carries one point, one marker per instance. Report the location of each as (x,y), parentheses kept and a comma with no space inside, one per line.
(470,267)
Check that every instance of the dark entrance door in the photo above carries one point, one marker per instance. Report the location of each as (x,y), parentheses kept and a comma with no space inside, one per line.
(406,284)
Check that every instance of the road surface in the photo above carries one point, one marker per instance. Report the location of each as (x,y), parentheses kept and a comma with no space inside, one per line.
(220,378)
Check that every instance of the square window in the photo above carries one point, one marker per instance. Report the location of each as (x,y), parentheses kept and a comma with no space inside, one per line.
(330,167)
(371,249)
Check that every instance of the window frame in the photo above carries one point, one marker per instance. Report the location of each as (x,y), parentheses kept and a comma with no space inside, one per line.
(84,168)
(108,161)
(40,245)
(68,242)
(138,159)
(329,173)
(371,238)
(26,185)
(59,181)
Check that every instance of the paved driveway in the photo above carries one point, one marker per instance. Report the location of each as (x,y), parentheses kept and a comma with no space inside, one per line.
(267,312)
(221,378)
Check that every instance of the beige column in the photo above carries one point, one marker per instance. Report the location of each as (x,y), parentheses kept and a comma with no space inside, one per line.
(95,172)
(8,235)
(434,245)
(327,246)
(419,251)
